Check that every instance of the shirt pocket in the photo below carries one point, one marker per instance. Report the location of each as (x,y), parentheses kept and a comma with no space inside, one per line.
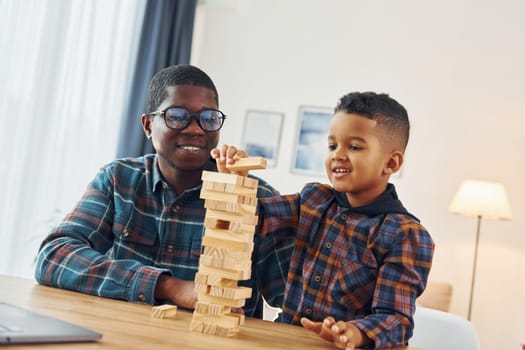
(134,239)
(353,287)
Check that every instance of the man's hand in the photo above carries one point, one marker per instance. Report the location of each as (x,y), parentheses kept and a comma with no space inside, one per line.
(228,155)
(179,292)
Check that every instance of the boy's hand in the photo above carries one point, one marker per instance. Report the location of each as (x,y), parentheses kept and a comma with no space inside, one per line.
(228,155)
(322,329)
(344,335)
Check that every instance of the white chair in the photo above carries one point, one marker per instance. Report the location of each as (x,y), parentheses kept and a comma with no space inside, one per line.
(438,330)
(270,313)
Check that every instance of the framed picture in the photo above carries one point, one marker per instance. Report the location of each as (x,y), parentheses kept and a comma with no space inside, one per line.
(311,141)
(262,135)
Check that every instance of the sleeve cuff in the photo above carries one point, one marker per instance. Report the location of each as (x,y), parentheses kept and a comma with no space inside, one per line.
(144,281)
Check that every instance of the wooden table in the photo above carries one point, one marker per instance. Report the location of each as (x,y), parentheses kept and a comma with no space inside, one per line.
(127,325)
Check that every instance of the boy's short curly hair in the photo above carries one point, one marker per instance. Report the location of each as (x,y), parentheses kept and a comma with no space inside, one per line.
(388,113)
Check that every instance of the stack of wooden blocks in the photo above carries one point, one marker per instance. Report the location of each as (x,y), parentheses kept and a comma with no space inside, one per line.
(230,202)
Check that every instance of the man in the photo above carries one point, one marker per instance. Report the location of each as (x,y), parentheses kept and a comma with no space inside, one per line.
(136,234)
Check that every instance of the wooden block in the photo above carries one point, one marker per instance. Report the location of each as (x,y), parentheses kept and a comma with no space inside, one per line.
(249,182)
(221,282)
(238,208)
(230,293)
(229,235)
(225,259)
(201,278)
(164,311)
(217,224)
(232,217)
(201,307)
(218,309)
(223,253)
(226,332)
(237,293)
(227,197)
(237,272)
(249,163)
(201,288)
(212,261)
(236,264)
(238,227)
(214,186)
(224,325)
(196,325)
(239,317)
(209,328)
(211,309)
(247,191)
(220,300)
(213,176)
(229,274)
(228,188)
(205,298)
(221,243)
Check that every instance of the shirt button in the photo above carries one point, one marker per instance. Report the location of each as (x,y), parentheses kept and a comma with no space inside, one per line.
(176,209)
(125,233)
(344,216)
(142,297)
(308,311)
(317,278)
(170,249)
(328,245)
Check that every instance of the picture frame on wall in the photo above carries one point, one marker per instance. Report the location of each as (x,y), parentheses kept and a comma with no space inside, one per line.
(262,135)
(311,140)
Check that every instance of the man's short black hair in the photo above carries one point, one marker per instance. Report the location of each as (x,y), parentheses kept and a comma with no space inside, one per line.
(388,113)
(182,74)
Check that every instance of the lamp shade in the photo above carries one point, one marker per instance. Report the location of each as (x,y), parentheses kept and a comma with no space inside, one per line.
(481,198)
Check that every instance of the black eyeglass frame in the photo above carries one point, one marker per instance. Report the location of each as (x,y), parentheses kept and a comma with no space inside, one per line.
(197,116)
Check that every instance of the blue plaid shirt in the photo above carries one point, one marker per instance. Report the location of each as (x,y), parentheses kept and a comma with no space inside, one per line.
(130,227)
(365,265)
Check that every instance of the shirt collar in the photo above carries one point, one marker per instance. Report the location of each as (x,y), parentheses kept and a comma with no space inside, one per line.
(387,202)
(158,181)
(157,178)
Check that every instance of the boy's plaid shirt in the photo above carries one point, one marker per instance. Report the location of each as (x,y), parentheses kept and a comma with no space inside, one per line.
(367,269)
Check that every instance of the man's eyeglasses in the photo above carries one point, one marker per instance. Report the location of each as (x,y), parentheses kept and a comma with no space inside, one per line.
(178,118)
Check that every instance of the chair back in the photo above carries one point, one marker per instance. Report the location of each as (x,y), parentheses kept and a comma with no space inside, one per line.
(439,330)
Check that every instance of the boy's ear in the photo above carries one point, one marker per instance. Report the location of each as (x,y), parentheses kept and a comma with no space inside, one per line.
(394,163)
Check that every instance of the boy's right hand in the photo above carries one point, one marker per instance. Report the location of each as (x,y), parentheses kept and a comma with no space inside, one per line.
(343,335)
(228,155)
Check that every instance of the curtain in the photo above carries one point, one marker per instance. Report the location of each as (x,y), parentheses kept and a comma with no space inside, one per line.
(166,37)
(63,68)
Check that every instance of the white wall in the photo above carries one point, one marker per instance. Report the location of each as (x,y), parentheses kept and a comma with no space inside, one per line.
(459,69)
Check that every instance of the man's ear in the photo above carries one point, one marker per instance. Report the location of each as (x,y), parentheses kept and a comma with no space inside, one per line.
(146,125)
(394,163)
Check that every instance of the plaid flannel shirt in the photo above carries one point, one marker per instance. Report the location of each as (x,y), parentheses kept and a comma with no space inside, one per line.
(363,265)
(130,227)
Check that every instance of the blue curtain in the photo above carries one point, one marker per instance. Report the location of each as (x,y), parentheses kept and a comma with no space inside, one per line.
(165,39)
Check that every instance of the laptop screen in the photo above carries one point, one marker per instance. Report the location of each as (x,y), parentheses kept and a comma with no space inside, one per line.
(19,325)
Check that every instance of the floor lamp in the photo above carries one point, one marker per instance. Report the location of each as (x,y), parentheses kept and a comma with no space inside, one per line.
(483,200)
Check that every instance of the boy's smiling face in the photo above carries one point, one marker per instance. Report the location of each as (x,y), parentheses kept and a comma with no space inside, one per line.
(359,160)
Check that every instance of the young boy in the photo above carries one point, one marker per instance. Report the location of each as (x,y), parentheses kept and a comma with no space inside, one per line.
(360,257)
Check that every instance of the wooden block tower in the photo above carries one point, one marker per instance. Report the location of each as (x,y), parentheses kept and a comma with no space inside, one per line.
(230,202)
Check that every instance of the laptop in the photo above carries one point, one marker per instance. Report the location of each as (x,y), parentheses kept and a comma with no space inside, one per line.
(20,326)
